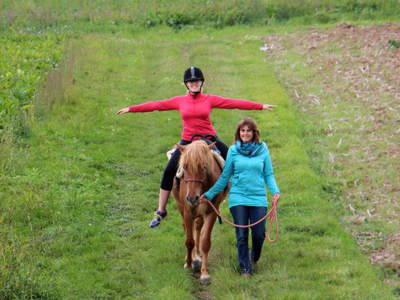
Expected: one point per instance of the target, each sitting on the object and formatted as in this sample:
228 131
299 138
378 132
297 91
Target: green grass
27 28
78 192
119 14
77 203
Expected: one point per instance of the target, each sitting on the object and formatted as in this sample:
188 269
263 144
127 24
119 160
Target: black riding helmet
193 74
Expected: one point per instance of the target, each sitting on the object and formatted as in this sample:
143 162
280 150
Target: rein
271 214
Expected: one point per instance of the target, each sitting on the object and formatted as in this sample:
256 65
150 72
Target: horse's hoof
205 279
197 264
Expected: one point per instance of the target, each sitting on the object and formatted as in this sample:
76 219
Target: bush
27 59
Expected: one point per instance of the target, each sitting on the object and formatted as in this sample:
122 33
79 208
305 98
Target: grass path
88 186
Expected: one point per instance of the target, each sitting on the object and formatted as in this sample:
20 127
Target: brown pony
201 171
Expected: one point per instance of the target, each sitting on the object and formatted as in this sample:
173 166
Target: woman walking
195 109
249 165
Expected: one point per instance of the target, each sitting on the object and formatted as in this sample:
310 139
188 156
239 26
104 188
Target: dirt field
348 79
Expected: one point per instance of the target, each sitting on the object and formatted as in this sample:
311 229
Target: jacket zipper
248 178
194 116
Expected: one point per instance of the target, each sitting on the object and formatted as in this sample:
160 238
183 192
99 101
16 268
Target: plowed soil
348 79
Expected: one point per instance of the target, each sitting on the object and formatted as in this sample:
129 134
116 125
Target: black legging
172 167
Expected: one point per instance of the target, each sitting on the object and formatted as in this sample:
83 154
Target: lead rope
271 214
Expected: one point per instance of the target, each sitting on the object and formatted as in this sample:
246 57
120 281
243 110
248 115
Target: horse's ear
181 148
211 145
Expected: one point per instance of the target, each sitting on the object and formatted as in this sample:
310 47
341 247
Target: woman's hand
267 106
203 199
123 111
276 198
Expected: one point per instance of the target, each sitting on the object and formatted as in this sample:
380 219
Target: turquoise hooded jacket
249 176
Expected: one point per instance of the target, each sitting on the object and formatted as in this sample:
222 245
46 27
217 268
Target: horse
200 172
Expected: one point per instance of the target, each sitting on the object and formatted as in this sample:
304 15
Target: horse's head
196 160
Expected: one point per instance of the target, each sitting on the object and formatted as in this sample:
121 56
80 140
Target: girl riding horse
195 109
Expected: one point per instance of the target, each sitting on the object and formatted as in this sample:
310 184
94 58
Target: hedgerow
179 13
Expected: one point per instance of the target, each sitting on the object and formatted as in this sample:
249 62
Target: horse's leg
182 212
189 242
197 239
206 245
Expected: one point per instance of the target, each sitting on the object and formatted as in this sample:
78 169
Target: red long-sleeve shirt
195 112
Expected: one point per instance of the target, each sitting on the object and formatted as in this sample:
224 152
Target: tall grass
178 13
53 91
16 246
7 147
23 99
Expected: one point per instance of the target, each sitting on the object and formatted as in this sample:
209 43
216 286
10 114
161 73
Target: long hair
252 125
196 157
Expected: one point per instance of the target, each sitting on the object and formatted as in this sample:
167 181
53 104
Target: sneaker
158 217
246 275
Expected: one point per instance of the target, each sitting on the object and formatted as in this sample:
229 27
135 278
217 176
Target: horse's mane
196 157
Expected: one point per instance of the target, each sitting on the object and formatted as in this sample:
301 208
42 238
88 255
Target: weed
26 59
58 81
393 44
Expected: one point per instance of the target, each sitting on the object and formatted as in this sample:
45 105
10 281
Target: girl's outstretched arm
123 111
228 103
161 105
269 107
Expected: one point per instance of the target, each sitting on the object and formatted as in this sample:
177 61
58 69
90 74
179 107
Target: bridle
194 179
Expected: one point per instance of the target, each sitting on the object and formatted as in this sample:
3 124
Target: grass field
78 193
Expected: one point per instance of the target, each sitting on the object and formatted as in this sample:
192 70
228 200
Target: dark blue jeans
245 215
